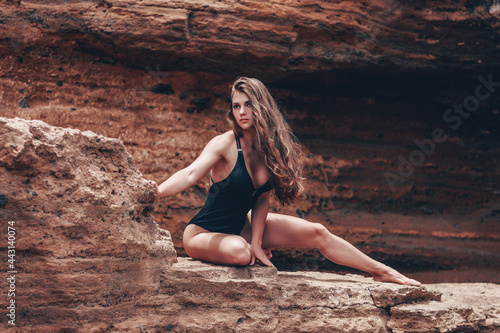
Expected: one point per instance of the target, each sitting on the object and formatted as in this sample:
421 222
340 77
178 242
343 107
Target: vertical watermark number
11 273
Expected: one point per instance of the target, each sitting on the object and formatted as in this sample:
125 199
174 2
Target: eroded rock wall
359 81
80 214
271 39
90 258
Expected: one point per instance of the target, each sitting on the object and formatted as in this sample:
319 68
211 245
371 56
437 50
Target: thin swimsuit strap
238 145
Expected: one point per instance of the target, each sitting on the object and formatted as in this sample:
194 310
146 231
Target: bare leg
288 231
216 247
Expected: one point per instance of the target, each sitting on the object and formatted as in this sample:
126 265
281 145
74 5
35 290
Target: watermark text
11 272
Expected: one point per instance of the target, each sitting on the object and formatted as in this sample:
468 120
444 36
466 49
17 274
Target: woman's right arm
182 179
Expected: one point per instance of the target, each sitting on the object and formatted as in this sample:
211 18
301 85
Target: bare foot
391 275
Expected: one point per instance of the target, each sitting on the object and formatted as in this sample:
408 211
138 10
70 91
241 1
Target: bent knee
237 252
321 234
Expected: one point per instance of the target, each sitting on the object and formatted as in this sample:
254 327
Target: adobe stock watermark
11 277
453 116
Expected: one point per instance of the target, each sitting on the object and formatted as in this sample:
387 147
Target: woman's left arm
259 217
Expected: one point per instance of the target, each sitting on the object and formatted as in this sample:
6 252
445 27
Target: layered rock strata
360 83
441 218
79 215
261 299
90 258
272 38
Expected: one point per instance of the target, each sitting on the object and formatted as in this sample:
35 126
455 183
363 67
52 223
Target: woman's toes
413 282
395 276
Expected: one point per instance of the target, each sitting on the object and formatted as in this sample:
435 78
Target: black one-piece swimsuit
230 200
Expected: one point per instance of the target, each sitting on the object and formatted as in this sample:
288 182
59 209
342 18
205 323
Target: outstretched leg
288 231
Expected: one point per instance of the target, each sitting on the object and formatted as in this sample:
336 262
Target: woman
260 156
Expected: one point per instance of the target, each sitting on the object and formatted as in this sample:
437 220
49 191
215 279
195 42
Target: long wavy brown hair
275 143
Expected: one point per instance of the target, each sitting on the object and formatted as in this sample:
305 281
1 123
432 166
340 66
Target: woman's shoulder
222 141
226 138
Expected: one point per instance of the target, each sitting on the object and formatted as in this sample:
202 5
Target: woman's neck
248 134
249 137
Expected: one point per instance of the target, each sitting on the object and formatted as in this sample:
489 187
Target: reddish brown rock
360 82
468 307
80 213
200 297
271 39
90 258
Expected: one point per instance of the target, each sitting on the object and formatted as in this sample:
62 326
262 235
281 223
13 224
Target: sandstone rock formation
273 38
261 300
359 81
81 222
90 258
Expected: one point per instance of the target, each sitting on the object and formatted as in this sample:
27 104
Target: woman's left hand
262 255
152 182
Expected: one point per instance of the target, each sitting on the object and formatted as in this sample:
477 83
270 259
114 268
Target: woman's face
242 110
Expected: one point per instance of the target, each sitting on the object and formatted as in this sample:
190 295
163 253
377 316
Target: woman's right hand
263 255
157 189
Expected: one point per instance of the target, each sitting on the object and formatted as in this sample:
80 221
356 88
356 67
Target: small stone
59 83
426 210
147 210
162 88
3 200
35 194
295 61
201 101
23 103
